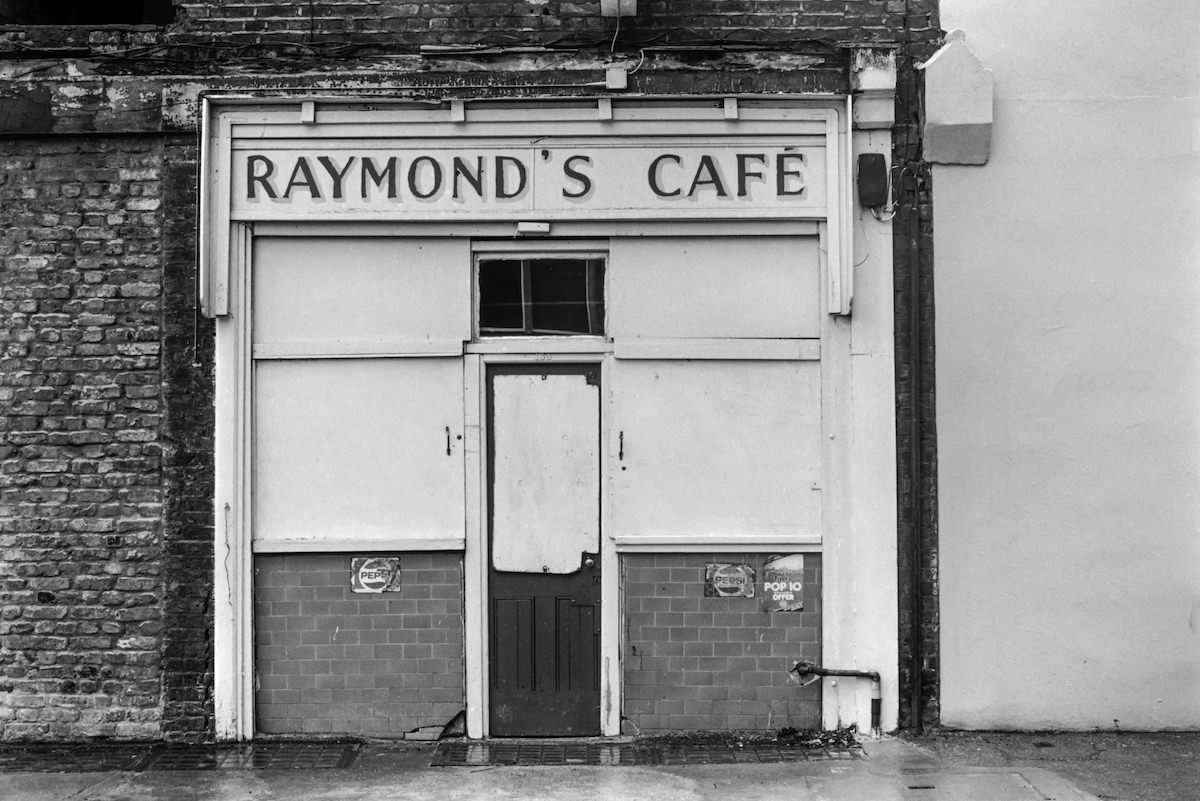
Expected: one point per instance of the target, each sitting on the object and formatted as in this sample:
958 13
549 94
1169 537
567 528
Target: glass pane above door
547 296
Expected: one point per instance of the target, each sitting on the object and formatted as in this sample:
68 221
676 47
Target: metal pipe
804 668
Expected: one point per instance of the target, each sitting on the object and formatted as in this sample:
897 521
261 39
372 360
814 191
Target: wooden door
544 535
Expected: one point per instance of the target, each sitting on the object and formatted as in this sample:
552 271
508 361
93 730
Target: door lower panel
545 639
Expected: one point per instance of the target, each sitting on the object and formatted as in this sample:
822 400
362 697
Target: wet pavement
1121 766
944 767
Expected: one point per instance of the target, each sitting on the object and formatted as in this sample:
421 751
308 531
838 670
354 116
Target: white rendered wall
1068 372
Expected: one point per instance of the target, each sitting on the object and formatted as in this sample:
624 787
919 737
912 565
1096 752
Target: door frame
552 350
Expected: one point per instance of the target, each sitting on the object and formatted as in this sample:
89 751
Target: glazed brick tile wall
697 663
329 660
81 498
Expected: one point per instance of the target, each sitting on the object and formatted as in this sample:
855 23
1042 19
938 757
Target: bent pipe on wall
813 671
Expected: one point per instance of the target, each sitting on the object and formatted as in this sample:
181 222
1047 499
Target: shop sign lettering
783 583
439 182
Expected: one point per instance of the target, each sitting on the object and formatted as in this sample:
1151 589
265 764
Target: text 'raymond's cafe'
456 179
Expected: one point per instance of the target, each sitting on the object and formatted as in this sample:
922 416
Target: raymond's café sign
746 178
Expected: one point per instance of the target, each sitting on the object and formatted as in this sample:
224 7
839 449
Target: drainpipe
812 672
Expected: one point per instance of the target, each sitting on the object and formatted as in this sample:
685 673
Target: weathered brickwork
81 451
393 25
694 662
329 660
221 34
916 431
187 434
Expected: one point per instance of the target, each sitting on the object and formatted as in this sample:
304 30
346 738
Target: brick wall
693 662
187 437
81 499
916 432
332 661
398 25
222 33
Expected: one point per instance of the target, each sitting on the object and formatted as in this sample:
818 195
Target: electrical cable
893 206
866 241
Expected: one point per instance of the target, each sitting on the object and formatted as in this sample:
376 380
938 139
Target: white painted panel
760 286
356 290
701 348
356 449
1067 421
715 448
546 487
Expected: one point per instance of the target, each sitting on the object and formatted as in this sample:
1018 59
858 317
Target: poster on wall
783 583
374 574
728 580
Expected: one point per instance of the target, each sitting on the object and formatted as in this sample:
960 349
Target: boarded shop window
716 446
541 296
361 294
358 449
86 12
721 286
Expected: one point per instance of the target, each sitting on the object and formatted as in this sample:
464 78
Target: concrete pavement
894 770
1126 766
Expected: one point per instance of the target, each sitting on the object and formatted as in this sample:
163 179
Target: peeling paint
874 58
69 90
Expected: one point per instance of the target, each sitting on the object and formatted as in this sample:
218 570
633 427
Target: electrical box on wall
872 180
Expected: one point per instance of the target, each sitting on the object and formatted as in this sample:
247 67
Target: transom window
541 295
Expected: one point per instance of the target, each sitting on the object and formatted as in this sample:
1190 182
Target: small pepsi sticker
375 574
728 580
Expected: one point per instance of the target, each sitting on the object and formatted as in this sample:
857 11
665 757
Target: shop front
557 413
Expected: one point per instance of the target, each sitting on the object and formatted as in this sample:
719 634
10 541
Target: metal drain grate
729 755
244 756
74 758
458 754
464 754
253 756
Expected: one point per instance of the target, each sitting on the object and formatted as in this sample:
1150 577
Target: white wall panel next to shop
1068 373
